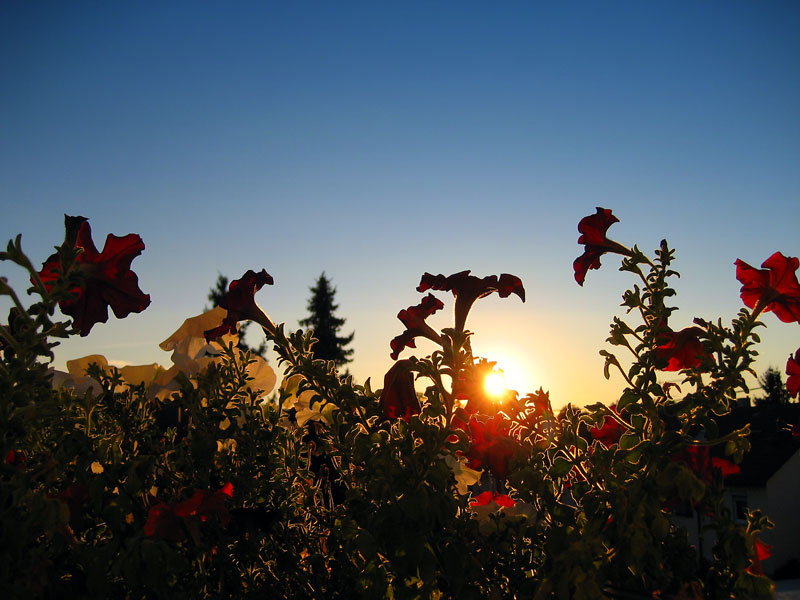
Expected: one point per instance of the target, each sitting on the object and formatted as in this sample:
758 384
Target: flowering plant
202 480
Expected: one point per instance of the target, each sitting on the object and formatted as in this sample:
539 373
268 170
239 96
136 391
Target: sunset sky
379 140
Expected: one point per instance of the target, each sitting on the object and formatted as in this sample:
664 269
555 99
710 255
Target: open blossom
413 318
774 287
491 444
793 371
682 350
107 278
241 305
468 288
398 397
700 461
763 552
308 405
610 431
593 236
464 476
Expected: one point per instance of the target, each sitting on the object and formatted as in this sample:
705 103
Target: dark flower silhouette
171 522
593 236
241 305
682 350
17 459
398 398
793 371
106 278
467 289
702 464
413 318
774 287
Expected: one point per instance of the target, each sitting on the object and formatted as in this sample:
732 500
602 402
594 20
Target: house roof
771 438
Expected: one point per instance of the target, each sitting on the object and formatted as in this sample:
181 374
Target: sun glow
495 384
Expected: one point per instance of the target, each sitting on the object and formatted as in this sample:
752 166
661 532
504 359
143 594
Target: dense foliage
194 481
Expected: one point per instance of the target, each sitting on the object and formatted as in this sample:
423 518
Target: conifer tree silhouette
326 326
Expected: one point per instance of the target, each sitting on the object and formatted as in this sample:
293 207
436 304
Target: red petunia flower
172 522
241 305
491 444
683 349
610 431
793 371
164 523
398 398
700 461
107 279
486 498
593 236
16 458
413 318
467 289
763 552
774 287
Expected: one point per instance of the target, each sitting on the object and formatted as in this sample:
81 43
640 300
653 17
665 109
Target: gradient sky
379 140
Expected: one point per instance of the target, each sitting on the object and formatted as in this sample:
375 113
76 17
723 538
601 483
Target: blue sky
376 141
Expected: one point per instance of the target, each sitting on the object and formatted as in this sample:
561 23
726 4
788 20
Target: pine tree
326 326
775 391
215 295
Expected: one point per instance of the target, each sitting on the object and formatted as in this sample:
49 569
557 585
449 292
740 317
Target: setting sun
495 384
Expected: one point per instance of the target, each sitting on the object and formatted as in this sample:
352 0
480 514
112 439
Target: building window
740 507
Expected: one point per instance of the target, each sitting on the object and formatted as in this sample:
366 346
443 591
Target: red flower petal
107 279
241 305
774 287
413 318
610 431
398 397
793 371
683 349
467 289
593 236
492 444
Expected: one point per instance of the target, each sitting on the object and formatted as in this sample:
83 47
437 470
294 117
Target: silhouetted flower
16 458
593 236
793 371
467 289
413 318
774 287
398 397
241 305
106 278
682 350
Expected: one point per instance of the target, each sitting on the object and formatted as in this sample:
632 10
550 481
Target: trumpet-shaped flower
106 278
241 305
682 350
465 477
593 236
398 397
793 371
413 318
774 287
467 289
307 404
